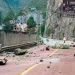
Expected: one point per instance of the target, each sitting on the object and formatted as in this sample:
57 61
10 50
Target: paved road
56 62
63 63
16 65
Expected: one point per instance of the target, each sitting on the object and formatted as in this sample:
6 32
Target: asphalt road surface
55 62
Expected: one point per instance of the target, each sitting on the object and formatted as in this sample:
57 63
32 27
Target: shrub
31 23
10 16
8 28
42 29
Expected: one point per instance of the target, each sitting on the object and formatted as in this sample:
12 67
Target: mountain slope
20 4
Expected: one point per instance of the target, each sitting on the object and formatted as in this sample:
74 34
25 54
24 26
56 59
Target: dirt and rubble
16 64
61 62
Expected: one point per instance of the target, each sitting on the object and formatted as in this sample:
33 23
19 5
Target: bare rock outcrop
61 25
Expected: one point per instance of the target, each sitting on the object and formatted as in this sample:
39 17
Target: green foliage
40 4
8 28
10 16
20 13
31 23
44 15
42 29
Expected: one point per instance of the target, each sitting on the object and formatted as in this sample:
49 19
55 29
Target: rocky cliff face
62 25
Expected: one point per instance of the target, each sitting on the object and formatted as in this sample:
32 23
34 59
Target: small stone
74 55
27 56
50 56
48 67
41 60
13 55
50 62
47 48
59 72
34 53
31 53
42 50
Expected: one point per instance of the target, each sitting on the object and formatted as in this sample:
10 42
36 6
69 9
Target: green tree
8 28
31 23
20 13
10 16
42 29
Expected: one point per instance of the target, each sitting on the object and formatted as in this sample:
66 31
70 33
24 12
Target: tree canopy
31 23
10 16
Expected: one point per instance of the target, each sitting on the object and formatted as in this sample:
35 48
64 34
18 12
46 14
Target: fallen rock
42 50
31 53
20 51
60 72
48 67
74 55
3 61
50 62
41 60
73 45
27 56
47 48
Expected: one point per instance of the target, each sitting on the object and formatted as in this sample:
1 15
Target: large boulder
19 51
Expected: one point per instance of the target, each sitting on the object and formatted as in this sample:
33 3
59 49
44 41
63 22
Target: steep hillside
21 4
40 4
3 7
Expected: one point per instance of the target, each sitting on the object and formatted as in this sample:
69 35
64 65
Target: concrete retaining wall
8 39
